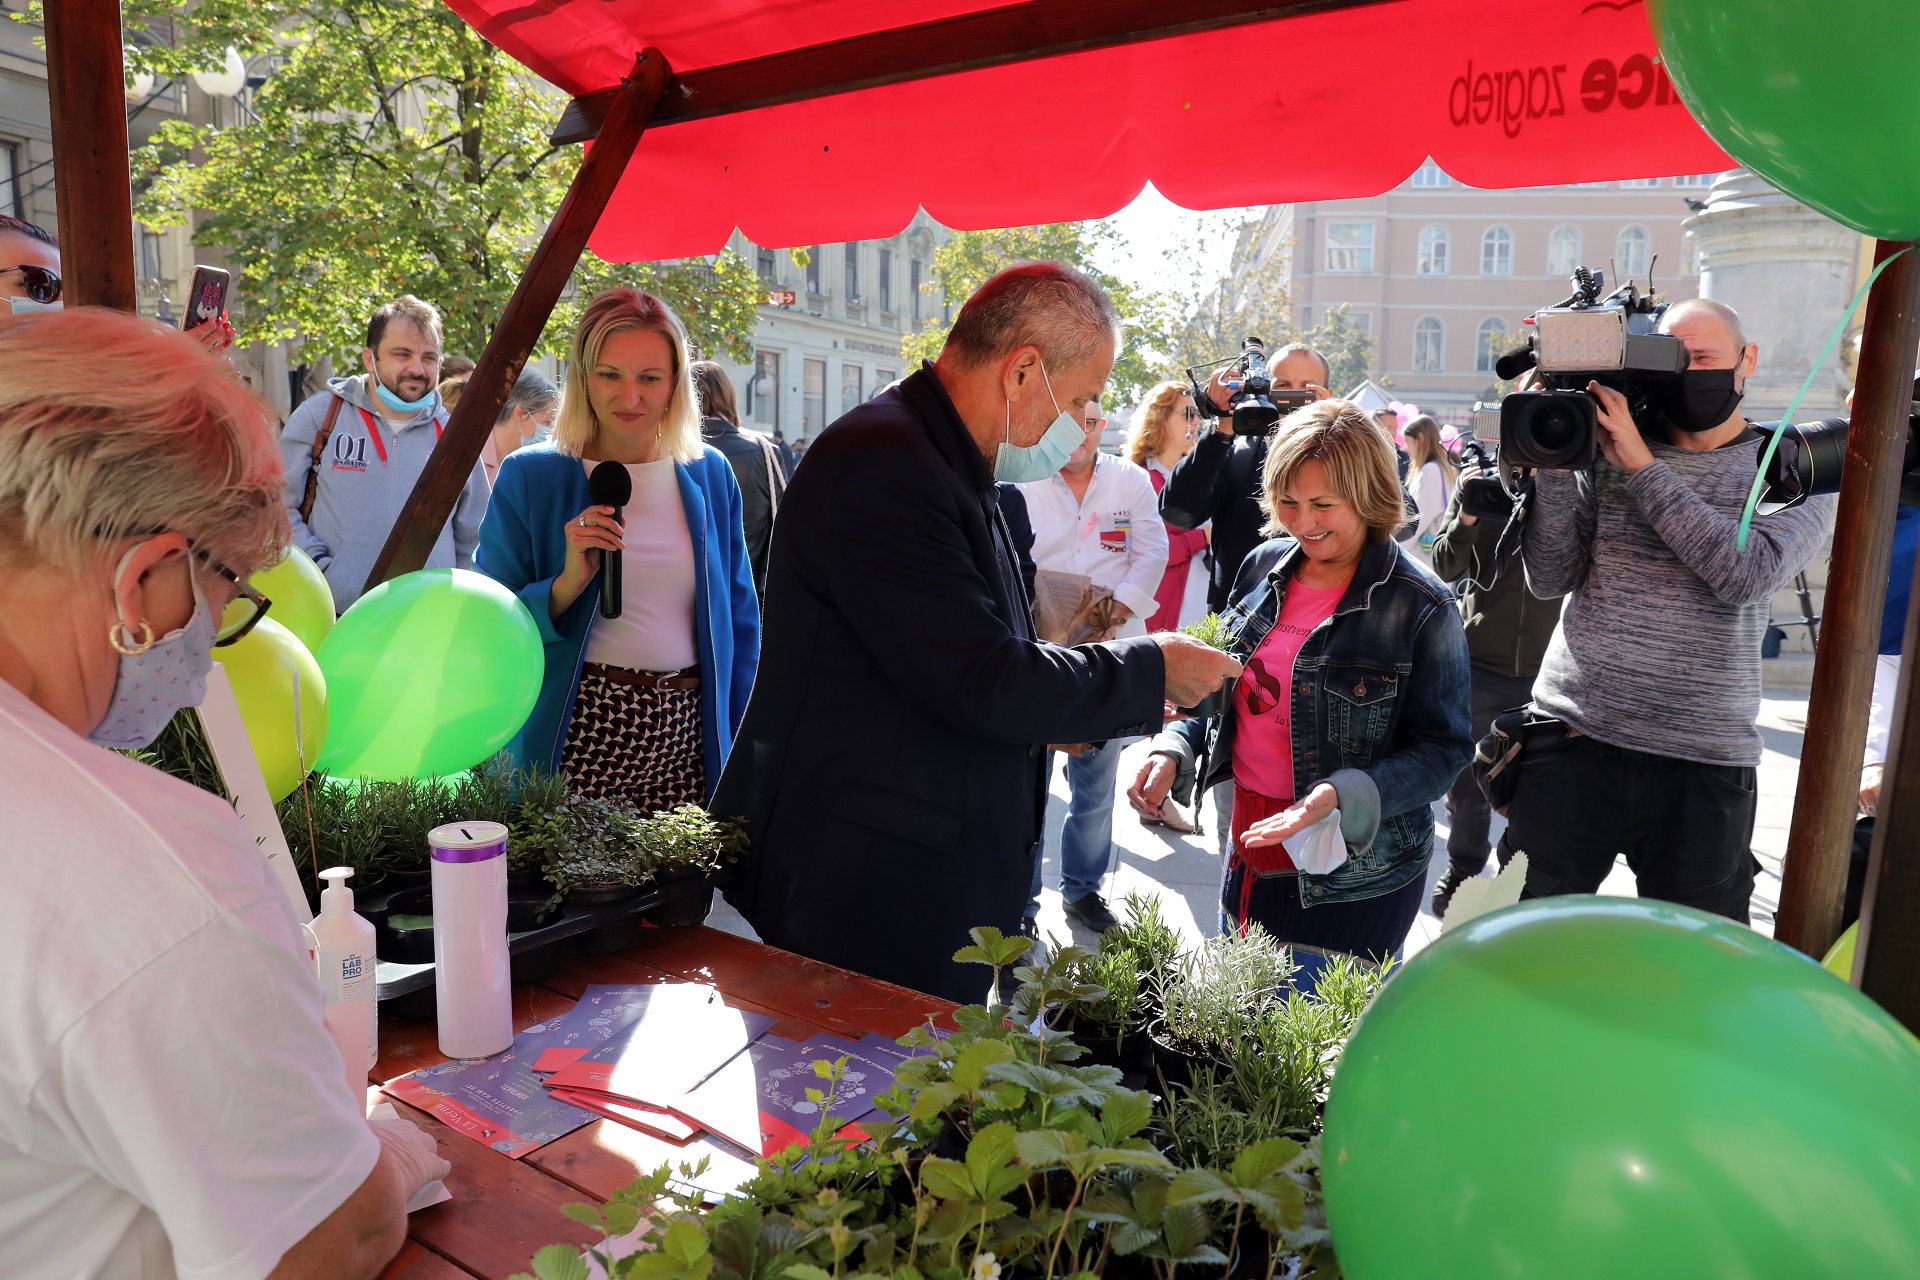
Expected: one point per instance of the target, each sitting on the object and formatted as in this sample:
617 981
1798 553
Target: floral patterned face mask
156 677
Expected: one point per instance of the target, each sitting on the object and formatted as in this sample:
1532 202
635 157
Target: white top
654 631
1431 495
1115 536
170 1101
1886 682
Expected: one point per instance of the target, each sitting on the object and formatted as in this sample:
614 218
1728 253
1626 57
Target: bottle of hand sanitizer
344 955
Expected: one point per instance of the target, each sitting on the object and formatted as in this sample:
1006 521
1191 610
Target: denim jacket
1380 710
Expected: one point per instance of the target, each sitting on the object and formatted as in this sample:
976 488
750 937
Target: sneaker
1092 911
1450 880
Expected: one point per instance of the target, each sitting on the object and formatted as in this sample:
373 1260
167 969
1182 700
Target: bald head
1706 310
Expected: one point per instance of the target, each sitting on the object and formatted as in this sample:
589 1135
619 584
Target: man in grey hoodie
352 456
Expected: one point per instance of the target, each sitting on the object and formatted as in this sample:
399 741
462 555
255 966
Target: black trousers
1469 816
1685 828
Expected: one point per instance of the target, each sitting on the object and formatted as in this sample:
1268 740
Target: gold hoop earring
123 640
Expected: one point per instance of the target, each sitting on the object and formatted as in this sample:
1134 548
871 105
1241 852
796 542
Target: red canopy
1332 104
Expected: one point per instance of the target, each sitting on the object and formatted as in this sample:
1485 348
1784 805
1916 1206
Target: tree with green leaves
389 150
967 261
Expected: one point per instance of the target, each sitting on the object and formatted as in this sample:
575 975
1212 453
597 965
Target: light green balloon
302 600
1815 96
428 674
1591 1088
1839 958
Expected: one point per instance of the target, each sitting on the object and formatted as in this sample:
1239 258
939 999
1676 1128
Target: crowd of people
870 659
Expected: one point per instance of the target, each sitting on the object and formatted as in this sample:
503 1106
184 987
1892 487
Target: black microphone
1513 363
609 485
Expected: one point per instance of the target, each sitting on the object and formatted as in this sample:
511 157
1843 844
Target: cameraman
1508 628
1220 479
1654 670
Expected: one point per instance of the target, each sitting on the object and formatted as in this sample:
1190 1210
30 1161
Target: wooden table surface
503 1209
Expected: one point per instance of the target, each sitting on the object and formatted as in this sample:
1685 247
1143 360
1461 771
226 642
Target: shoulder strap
776 486
313 458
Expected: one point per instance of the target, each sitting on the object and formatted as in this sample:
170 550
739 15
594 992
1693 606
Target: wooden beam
438 488
87 95
1826 802
1886 964
969 42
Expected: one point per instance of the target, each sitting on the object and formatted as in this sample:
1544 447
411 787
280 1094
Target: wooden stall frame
93 187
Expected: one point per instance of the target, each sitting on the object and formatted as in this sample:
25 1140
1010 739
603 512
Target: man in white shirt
1098 517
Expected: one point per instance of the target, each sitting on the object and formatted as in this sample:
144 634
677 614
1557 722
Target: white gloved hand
412 1150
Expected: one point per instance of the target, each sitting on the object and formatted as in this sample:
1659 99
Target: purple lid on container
468 841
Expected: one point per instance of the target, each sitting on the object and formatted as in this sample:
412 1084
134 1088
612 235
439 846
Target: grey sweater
360 494
1658 648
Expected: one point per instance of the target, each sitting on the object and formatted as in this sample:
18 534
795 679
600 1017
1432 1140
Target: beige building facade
1443 275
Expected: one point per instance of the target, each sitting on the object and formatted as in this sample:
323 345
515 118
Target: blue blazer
523 545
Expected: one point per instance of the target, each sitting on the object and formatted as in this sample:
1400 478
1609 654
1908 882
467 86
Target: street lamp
225 80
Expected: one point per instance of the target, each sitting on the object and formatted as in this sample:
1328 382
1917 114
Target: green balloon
1589 1088
1817 98
428 674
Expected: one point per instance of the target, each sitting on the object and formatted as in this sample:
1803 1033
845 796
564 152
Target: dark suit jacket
890 766
1013 509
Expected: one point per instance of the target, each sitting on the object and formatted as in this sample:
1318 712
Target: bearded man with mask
351 456
1653 674
890 768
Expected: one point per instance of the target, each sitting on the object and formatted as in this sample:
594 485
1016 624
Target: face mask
395 403
1700 400
151 685
23 306
1037 461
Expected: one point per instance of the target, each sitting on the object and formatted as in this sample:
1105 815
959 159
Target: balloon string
1786 419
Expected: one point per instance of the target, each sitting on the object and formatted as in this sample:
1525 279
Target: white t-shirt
654 631
170 1101
1114 535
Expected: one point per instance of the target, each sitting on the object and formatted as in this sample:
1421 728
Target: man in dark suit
890 768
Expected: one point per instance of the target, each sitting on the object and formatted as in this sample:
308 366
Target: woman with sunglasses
170 1100
1163 432
30 280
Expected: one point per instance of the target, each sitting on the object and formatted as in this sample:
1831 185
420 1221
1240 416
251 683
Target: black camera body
1613 340
1256 407
1483 497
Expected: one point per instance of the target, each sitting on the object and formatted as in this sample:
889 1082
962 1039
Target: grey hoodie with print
366 474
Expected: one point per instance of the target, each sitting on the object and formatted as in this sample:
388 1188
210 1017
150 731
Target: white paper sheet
1319 848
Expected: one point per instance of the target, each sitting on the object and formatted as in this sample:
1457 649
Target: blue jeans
1086 839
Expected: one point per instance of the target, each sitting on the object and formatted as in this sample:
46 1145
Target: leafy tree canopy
390 150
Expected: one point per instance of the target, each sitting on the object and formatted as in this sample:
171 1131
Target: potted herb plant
1210 630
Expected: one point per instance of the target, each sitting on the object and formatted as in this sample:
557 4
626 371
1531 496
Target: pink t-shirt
1263 730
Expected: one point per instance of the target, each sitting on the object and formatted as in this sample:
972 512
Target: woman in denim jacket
1354 697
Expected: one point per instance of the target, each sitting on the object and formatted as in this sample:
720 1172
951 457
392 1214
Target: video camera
1812 454
1612 340
1485 496
1256 407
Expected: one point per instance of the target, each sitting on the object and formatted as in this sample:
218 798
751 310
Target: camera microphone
609 485
1513 363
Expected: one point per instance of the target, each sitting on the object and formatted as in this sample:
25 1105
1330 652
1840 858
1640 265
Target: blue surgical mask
150 686
23 306
398 405
1021 463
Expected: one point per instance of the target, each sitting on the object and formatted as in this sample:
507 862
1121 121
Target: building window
884 378
766 389
1639 184
1433 252
1496 252
1349 246
1563 250
1630 252
886 280
1695 180
851 250
813 397
764 264
813 270
1492 340
1430 175
10 202
914 269
1588 186
850 379
1357 321
1429 345
149 247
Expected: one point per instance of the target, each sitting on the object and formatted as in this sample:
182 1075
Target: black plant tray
396 980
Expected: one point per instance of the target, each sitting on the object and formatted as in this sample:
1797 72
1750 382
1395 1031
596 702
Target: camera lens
1556 430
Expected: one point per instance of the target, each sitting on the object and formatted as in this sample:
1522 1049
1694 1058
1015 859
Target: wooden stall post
452 460
1825 804
87 92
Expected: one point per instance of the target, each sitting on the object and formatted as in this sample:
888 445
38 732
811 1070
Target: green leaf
1260 1159
934 1099
970 1068
807 1271
685 1241
1044 1148
559 1262
622 1217
989 1153
1124 1114
947 1179
1201 1186
586 1215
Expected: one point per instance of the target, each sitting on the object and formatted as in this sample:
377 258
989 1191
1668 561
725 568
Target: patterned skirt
635 743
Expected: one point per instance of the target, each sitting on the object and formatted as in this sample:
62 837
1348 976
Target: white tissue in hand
1319 848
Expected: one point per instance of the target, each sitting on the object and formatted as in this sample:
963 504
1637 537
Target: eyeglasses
1192 414
42 286
1094 424
234 632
